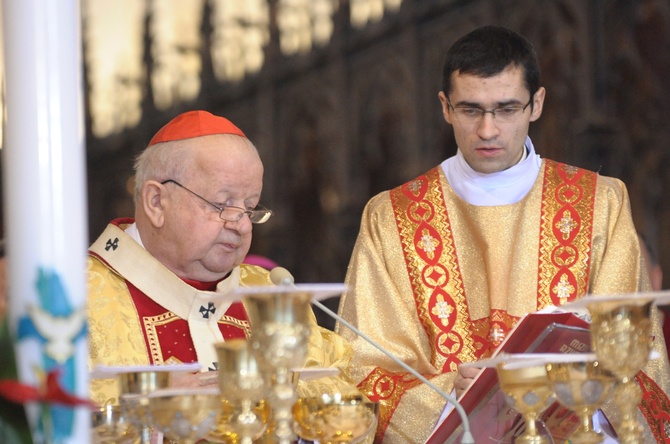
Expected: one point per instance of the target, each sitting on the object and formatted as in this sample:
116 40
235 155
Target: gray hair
161 162
167 160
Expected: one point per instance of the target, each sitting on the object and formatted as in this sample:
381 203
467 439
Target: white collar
125 254
501 188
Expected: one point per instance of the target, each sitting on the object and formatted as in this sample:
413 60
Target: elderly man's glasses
230 213
502 114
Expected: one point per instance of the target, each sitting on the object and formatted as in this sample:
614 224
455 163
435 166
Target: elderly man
446 265
157 283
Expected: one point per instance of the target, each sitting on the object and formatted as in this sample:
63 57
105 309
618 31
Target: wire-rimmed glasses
231 213
501 114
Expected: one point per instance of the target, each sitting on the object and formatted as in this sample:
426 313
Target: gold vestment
438 281
118 336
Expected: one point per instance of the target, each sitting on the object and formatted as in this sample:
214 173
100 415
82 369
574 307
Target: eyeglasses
473 114
229 213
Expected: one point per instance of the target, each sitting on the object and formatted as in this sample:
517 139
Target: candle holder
244 410
335 419
582 384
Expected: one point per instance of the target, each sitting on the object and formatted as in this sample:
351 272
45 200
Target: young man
158 282
446 264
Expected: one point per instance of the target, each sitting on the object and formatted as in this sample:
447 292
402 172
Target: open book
491 419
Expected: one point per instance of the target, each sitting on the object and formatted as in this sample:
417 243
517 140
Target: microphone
282 277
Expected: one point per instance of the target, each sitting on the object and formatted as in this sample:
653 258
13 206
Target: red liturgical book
491 419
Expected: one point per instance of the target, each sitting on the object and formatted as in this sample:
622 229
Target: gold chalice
335 419
581 384
279 318
109 426
185 415
621 339
135 385
526 388
244 411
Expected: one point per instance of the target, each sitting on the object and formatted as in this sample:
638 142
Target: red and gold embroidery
655 407
428 245
386 389
568 197
151 326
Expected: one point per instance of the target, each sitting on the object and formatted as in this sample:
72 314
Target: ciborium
243 387
335 419
523 380
582 384
621 339
184 415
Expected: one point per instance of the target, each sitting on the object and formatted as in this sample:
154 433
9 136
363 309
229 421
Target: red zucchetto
194 124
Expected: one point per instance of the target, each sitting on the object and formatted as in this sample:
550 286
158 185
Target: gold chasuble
141 313
457 277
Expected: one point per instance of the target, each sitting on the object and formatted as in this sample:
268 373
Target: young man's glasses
231 213
502 114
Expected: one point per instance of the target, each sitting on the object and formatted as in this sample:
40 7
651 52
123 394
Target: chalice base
532 433
532 439
587 437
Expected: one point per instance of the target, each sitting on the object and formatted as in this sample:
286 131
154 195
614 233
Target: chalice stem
532 435
283 398
627 397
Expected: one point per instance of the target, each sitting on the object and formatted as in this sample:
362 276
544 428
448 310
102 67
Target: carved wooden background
342 123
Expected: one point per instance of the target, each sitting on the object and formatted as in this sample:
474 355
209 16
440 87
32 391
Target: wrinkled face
488 144
226 171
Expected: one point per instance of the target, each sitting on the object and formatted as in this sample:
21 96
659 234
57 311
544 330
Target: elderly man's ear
153 198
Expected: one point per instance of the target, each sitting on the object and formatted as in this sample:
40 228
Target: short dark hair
489 50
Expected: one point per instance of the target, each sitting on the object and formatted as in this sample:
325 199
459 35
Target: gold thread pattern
566 225
430 255
386 388
655 407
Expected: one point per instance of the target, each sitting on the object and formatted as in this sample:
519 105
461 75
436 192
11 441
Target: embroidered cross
566 224
206 311
496 335
113 244
415 186
563 288
215 366
428 243
443 310
570 170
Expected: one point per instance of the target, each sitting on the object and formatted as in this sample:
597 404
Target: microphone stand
281 276
467 435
